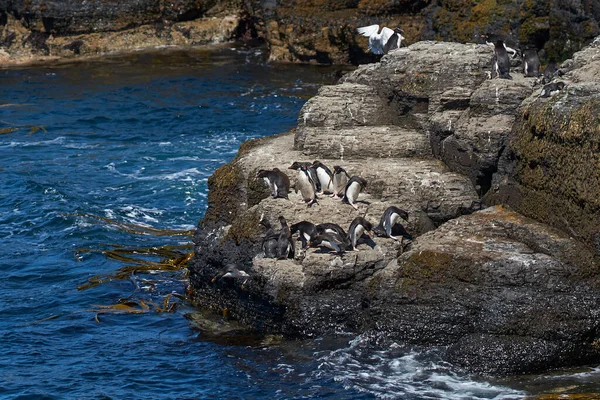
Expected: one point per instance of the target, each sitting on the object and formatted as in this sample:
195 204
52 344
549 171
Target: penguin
551 89
305 183
278 182
352 190
339 180
490 40
531 63
549 72
394 41
306 232
329 240
377 40
357 228
324 176
269 243
285 246
331 228
231 272
388 220
500 61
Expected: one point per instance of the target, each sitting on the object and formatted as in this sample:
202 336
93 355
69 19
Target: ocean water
103 170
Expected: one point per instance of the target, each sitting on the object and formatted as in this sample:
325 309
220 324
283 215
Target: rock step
365 141
409 183
315 269
344 105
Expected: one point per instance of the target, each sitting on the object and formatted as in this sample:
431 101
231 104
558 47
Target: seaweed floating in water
172 261
129 306
135 228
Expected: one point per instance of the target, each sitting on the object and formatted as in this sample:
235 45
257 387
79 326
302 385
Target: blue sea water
107 156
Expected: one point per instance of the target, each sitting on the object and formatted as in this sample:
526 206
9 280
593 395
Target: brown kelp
172 260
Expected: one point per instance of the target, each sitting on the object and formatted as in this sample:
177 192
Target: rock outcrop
549 170
501 292
38 31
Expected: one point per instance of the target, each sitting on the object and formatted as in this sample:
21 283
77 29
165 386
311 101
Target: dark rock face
76 16
506 293
35 30
325 31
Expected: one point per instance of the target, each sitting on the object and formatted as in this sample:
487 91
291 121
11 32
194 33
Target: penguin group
316 179
384 41
531 66
329 236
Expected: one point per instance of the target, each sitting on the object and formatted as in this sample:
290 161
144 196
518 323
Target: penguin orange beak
370 233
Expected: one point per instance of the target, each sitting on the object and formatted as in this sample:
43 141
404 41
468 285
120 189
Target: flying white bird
378 41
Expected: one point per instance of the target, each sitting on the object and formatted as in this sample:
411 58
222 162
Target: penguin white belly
352 192
390 223
306 188
324 179
331 245
358 232
268 182
306 236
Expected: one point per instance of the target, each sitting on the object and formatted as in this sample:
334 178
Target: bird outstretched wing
369 30
386 34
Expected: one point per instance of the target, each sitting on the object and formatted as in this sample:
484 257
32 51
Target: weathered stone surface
365 142
444 87
549 169
495 275
478 136
343 105
415 184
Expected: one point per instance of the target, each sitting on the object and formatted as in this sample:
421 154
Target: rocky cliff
502 289
324 31
37 30
316 31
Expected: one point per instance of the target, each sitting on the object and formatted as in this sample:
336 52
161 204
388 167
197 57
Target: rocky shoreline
312 31
502 271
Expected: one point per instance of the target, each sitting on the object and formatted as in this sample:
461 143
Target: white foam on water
58 140
389 374
185 175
